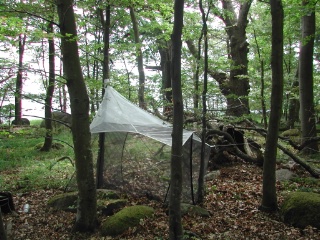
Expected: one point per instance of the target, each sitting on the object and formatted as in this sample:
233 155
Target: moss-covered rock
193 210
301 209
107 194
106 201
109 207
64 201
290 132
124 219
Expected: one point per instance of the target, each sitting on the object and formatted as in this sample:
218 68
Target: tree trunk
237 99
294 105
263 104
3 234
175 225
308 122
165 55
269 194
235 87
106 77
49 94
86 219
19 81
139 57
201 187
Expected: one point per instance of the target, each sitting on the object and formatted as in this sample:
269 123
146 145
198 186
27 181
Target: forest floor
232 200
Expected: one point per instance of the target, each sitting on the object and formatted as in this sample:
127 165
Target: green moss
64 201
301 209
124 219
107 194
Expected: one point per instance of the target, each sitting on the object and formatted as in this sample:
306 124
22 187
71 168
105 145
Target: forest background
227 41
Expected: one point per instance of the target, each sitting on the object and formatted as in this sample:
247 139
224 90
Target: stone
59 119
107 194
284 175
291 132
301 209
212 175
106 201
64 201
109 207
124 219
24 122
193 210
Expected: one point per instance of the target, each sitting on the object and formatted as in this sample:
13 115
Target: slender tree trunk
139 55
263 104
86 219
106 77
201 191
165 54
269 194
175 225
294 104
49 94
19 81
308 122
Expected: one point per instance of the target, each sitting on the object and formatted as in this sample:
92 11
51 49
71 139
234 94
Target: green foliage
26 167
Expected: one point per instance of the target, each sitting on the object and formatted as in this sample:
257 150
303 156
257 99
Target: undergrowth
24 167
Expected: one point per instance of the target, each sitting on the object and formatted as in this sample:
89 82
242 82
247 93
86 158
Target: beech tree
50 89
269 194
86 219
175 226
308 123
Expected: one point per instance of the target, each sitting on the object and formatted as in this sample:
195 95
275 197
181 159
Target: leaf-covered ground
232 200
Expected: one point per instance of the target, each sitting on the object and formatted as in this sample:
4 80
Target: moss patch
124 219
301 209
64 201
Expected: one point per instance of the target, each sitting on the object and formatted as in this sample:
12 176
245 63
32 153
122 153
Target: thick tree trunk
49 94
237 99
269 194
175 225
19 81
235 87
139 57
86 219
308 122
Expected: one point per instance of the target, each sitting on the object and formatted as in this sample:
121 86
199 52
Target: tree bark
165 55
308 123
139 57
19 81
86 219
201 187
294 105
49 94
269 194
237 96
106 77
175 225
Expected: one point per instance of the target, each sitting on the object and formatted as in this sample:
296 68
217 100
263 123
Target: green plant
23 166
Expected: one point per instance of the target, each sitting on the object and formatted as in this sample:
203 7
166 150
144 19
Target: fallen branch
233 145
314 172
